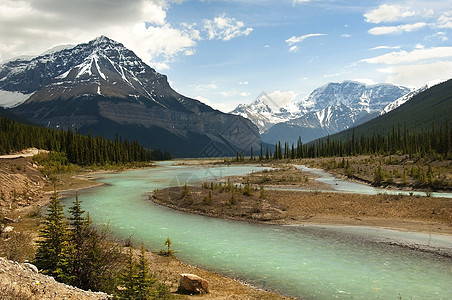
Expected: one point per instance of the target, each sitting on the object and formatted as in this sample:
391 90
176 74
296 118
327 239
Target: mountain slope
104 88
432 106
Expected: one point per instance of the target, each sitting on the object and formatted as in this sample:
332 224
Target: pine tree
54 253
100 260
128 278
144 280
79 231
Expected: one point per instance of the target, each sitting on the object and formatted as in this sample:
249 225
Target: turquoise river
307 262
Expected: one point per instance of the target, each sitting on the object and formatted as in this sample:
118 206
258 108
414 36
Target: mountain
408 96
332 108
263 114
104 88
432 106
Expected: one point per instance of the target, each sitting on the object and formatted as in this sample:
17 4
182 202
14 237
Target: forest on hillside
78 149
435 142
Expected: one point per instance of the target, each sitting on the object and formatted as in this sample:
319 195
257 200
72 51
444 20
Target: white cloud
157 45
396 29
442 36
345 35
367 81
294 49
416 67
206 87
388 13
221 106
292 41
419 46
400 57
203 100
298 39
278 99
224 28
243 82
385 47
418 75
445 20
301 1
30 27
245 94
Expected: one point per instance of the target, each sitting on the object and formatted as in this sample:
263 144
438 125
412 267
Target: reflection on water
309 262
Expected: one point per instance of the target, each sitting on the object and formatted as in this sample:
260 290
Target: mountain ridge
430 106
330 108
103 88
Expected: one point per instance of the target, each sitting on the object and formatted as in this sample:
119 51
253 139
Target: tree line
436 142
74 252
79 149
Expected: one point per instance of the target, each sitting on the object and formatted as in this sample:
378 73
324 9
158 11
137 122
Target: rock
8 229
192 284
31 267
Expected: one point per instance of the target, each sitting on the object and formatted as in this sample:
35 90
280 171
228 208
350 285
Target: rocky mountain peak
104 88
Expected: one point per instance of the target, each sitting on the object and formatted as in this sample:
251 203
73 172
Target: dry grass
393 211
225 204
399 171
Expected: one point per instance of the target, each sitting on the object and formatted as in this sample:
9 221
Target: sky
228 52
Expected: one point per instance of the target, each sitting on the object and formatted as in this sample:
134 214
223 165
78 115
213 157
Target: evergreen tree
101 260
144 280
128 278
136 280
261 153
79 231
54 253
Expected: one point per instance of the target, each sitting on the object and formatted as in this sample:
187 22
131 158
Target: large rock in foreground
192 284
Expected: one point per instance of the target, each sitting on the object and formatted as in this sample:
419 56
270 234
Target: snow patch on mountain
393 105
10 99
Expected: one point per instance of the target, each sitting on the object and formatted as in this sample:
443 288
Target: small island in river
253 198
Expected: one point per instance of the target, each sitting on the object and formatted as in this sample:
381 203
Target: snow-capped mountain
264 113
104 88
101 64
328 109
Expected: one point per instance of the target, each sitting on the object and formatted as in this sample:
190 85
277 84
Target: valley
260 253
309 199
266 205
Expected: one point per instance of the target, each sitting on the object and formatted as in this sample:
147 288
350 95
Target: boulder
192 284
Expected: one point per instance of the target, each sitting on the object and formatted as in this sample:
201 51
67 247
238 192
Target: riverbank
24 207
408 213
289 207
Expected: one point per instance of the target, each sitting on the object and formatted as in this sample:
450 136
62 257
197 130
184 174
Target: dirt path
24 153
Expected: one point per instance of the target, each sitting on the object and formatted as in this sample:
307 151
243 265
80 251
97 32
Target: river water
309 262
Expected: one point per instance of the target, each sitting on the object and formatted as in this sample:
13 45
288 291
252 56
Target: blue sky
228 52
